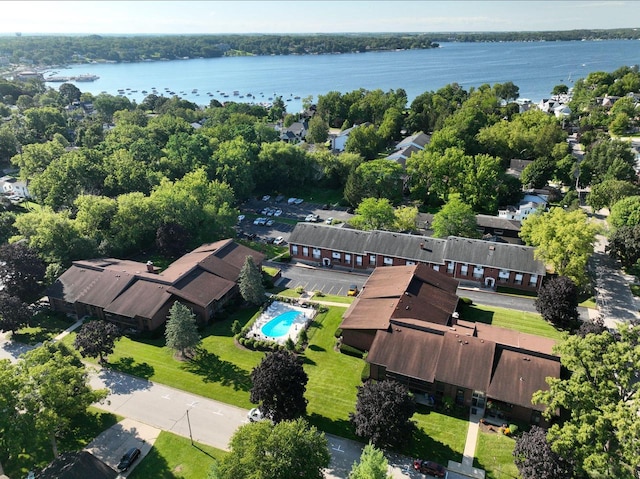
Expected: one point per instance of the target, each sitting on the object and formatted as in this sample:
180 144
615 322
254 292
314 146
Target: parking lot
329 281
254 207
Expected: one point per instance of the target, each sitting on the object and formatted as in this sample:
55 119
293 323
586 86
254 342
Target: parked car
279 198
292 201
278 241
312 218
255 415
240 218
265 211
256 221
266 198
129 458
429 467
329 220
269 223
277 212
298 201
353 290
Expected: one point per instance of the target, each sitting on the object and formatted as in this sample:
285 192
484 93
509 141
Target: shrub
351 351
513 429
289 344
319 294
366 372
236 327
467 301
299 290
338 333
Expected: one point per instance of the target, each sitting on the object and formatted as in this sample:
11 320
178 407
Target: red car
429 467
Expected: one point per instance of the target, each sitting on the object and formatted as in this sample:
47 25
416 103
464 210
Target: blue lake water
536 67
280 325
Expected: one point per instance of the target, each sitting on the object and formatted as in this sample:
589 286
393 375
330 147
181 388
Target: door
478 399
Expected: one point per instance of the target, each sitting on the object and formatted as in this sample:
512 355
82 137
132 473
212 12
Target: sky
306 16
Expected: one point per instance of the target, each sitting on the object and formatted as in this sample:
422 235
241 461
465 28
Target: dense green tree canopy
375 179
625 212
456 218
563 239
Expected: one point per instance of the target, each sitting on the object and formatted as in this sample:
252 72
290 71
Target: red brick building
486 263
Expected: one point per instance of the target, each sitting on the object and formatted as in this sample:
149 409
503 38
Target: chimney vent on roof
150 266
421 245
466 342
407 307
521 379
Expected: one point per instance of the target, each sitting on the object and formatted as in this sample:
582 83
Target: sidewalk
466 467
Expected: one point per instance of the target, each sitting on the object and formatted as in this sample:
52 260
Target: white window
410 263
372 259
305 251
347 258
294 249
450 266
316 253
359 260
533 280
503 275
436 267
336 255
518 278
388 261
464 269
478 271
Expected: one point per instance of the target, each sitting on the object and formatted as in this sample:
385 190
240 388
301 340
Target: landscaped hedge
351 351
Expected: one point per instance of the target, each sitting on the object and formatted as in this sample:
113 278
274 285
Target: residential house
517 166
408 147
295 133
405 317
339 142
530 204
492 228
479 262
10 185
136 295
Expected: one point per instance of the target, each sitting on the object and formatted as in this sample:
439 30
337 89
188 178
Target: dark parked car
429 467
128 459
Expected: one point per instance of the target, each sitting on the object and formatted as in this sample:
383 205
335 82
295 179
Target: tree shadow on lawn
306 360
213 369
128 365
337 427
315 347
426 447
471 313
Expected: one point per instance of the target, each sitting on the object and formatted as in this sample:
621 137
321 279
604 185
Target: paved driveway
329 281
113 443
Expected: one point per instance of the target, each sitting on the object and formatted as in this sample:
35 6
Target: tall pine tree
251 287
181 332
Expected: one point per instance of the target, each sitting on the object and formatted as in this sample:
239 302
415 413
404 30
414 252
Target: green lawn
494 455
42 327
173 456
531 323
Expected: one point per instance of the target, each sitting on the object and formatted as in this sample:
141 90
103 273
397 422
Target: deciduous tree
14 314
97 338
54 389
535 459
624 245
563 239
318 130
625 212
250 282
279 384
372 465
375 179
288 449
600 396
181 331
383 413
456 218
374 214
557 302
21 271
609 192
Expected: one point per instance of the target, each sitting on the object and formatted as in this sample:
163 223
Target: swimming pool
280 321
280 325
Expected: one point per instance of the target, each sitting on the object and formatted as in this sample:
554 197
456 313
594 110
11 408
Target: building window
372 259
533 280
388 261
450 266
478 271
410 263
359 260
336 256
294 249
347 258
316 253
464 269
305 251
503 275
436 267
518 278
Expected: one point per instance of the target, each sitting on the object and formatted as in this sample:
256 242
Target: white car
328 220
298 201
292 201
255 415
277 212
266 197
257 221
240 218
278 241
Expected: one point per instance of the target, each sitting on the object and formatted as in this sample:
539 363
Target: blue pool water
279 326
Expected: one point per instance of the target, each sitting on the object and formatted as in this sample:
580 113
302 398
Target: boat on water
86 77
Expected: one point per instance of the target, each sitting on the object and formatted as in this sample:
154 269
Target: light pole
189 423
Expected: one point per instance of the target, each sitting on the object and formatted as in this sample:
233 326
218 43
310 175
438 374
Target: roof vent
521 379
492 248
466 342
482 340
407 307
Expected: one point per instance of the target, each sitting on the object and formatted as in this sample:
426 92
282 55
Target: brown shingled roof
369 313
518 375
201 287
143 299
97 288
407 352
465 361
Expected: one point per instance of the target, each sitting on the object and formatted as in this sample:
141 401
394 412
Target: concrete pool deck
273 311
